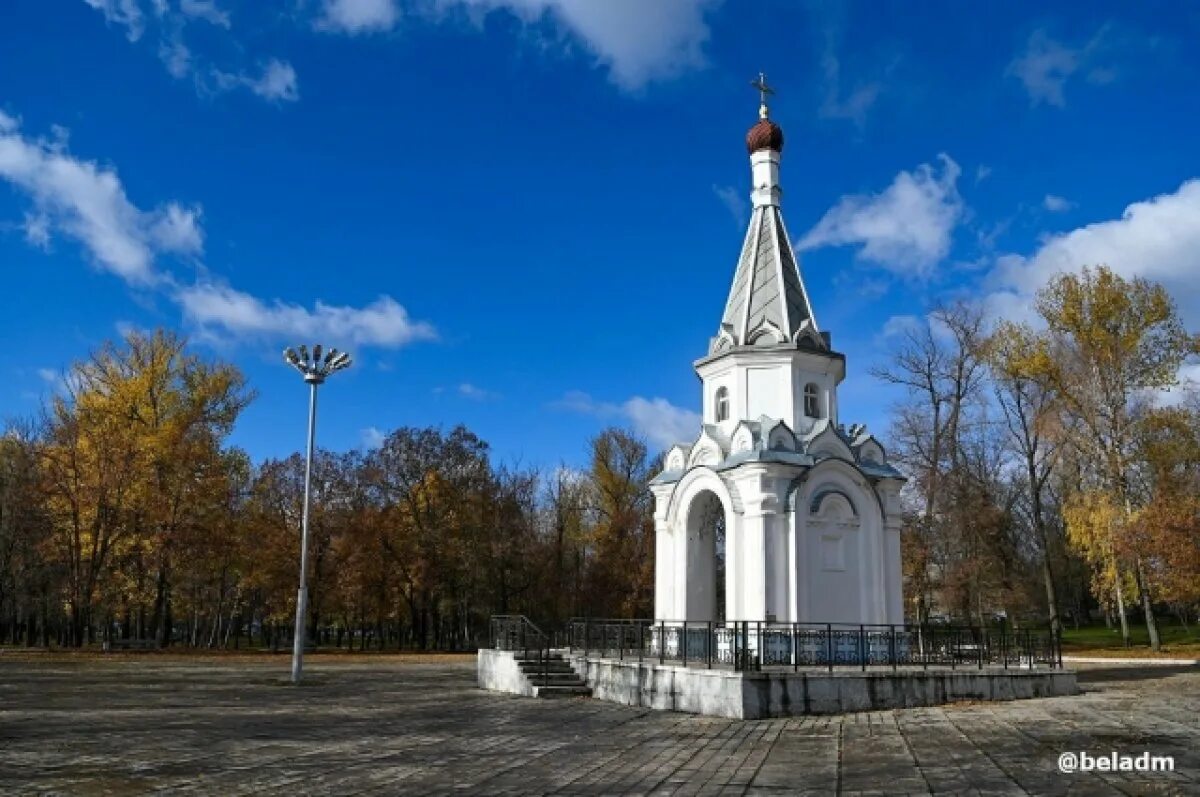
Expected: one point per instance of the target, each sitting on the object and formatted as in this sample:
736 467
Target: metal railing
755 645
517 633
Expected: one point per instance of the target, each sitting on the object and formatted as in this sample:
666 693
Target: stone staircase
552 678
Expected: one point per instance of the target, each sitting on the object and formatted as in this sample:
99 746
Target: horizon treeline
1049 480
124 513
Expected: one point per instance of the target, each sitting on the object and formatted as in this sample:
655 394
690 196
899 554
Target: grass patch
1101 641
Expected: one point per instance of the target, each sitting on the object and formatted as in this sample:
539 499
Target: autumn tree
129 450
1113 340
1017 357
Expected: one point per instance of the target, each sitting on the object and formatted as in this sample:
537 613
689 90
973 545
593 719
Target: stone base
757 695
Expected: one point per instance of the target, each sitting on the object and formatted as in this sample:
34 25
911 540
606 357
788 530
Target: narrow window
812 406
722 404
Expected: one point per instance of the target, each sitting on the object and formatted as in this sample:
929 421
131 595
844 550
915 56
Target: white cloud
658 420
371 437
838 103
661 421
277 82
218 310
121 12
638 41
734 201
87 202
358 16
982 172
1157 238
467 390
905 229
206 10
899 325
48 375
1056 204
1046 65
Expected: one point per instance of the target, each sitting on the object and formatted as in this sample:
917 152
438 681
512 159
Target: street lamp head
316 368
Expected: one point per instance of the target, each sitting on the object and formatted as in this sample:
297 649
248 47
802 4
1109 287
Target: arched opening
722 404
705 558
812 401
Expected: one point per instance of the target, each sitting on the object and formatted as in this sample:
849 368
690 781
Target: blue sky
524 215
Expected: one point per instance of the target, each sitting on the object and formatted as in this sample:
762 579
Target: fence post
662 641
983 642
708 643
758 645
1004 647
683 642
862 646
892 646
586 646
829 645
641 641
795 650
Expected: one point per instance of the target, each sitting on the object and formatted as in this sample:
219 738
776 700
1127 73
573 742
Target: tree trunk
1147 607
1121 612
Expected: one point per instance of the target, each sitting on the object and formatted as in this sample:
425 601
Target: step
527 668
553 691
554 678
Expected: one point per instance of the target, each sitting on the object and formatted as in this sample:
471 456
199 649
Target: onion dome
764 135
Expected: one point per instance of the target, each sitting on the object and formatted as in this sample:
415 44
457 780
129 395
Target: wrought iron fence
517 633
755 645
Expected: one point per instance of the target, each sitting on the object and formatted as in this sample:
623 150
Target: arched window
812 404
722 404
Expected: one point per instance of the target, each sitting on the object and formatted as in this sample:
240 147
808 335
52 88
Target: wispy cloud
475 393
275 80
637 42
905 229
80 200
658 420
86 202
1056 204
358 16
1046 65
371 438
122 13
734 201
851 103
219 310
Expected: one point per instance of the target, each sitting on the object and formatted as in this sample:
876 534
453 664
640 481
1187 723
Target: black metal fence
755 645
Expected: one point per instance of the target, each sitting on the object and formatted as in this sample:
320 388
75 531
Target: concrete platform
759 695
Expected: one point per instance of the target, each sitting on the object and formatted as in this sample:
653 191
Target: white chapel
777 511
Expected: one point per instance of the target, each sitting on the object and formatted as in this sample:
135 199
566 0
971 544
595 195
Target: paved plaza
136 724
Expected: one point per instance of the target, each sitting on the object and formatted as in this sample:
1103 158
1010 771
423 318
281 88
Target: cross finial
763 91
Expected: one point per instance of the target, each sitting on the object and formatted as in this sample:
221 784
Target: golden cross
763 88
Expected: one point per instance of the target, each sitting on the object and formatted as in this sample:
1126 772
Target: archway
705 579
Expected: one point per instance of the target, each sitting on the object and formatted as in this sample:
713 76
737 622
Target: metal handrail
503 628
753 644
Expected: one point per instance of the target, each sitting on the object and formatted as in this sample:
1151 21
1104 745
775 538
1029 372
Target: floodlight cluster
313 366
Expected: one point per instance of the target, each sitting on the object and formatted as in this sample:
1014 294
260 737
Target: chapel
777 511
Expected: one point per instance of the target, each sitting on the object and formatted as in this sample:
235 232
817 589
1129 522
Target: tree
1113 340
128 452
1030 407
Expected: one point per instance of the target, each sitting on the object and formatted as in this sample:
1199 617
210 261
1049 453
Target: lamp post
314 369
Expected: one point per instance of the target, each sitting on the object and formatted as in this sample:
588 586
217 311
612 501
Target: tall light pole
315 369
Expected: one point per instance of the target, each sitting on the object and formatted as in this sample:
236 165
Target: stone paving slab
148 725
